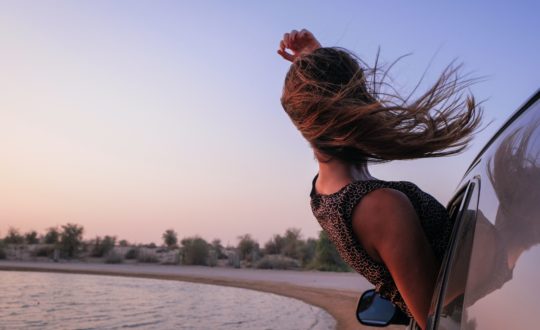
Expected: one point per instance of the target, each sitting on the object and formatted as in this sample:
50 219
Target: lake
72 301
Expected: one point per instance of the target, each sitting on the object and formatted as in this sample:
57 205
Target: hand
300 43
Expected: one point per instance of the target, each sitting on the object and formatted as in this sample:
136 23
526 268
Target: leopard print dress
334 214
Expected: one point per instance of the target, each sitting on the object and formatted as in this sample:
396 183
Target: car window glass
502 285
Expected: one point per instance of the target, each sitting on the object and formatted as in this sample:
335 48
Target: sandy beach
337 293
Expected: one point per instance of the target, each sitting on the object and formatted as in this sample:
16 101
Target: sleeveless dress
334 214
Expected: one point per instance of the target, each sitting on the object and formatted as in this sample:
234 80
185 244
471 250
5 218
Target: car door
489 279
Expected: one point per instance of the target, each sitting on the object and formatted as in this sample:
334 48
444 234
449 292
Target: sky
133 117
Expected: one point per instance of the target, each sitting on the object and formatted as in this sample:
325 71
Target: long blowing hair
351 113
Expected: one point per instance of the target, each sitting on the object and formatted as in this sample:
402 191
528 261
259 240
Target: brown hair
328 98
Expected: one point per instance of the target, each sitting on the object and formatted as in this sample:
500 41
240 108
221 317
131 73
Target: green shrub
44 251
31 237
326 256
147 258
113 258
13 237
218 248
274 245
52 236
170 238
273 261
292 243
102 246
2 251
308 251
195 251
132 254
71 239
247 247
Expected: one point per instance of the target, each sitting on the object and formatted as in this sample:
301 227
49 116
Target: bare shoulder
380 215
384 200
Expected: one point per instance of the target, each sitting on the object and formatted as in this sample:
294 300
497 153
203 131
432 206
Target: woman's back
334 214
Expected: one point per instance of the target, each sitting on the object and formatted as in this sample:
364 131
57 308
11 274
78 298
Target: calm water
69 301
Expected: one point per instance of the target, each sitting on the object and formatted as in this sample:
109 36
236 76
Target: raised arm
300 43
387 226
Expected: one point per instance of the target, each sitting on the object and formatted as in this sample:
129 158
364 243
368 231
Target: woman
391 232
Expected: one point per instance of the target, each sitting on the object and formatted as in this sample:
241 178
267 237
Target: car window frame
463 198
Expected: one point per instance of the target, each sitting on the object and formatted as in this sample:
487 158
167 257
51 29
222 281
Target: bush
44 251
14 237
103 246
2 251
132 254
273 261
147 258
247 247
308 251
52 236
326 256
113 258
31 237
218 249
71 239
274 245
170 238
195 251
292 243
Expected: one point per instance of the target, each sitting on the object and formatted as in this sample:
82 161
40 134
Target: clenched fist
300 43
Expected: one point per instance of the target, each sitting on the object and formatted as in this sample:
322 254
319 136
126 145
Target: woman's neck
335 174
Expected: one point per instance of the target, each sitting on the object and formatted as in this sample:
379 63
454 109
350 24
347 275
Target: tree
309 250
103 246
170 238
292 243
195 251
247 246
31 237
52 236
274 245
71 239
3 253
218 248
326 256
123 243
13 237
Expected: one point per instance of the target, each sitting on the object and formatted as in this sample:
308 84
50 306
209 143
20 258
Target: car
489 278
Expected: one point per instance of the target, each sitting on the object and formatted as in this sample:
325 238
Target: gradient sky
131 117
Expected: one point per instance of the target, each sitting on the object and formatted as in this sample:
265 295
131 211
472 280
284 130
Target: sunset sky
132 117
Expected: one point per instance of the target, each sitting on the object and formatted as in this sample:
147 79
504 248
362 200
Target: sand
337 293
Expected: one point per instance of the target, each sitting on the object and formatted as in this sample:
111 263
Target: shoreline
336 293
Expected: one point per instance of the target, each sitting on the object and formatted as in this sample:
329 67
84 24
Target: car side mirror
376 311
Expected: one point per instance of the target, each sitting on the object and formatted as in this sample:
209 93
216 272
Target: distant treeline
287 251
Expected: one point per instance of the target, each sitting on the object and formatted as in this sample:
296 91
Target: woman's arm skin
388 227
300 43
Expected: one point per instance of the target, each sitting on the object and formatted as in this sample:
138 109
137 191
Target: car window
453 279
502 284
